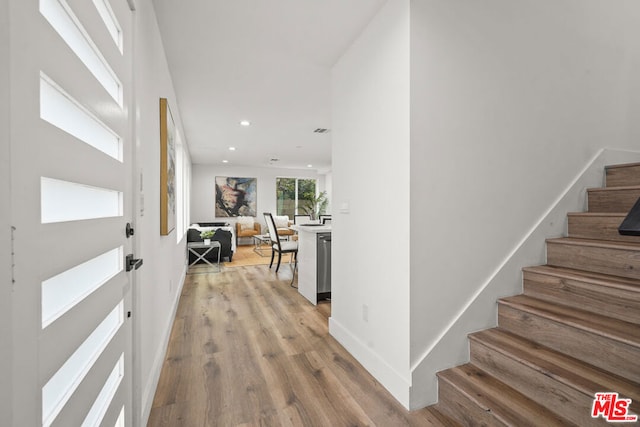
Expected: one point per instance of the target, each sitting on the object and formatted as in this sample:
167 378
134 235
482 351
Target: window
183 190
68 26
110 21
291 194
63 383
65 290
64 112
69 201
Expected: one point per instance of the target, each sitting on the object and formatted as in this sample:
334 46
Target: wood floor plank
246 350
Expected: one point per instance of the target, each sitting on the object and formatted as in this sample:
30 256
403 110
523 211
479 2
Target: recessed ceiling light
309 166
245 123
232 148
225 161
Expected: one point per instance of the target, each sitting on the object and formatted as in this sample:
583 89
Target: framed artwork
167 169
236 196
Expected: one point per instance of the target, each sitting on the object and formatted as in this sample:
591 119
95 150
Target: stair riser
616 303
573 404
598 228
458 406
606 353
613 201
616 262
623 176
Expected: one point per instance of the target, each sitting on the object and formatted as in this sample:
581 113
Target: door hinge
13 256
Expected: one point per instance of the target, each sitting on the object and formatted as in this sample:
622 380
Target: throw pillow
246 222
193 235
282 221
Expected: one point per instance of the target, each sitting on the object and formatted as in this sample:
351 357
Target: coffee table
260 241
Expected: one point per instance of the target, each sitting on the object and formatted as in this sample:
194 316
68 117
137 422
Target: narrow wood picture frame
167 169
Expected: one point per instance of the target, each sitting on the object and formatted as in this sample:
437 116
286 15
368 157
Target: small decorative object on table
206 236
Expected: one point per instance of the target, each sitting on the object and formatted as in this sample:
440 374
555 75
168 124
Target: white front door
5 222
71 174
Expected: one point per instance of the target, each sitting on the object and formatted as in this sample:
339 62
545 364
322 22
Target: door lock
132 263
129 231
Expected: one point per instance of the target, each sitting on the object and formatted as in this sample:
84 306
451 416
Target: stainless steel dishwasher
324 266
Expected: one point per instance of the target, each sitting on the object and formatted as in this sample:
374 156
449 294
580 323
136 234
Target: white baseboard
390 379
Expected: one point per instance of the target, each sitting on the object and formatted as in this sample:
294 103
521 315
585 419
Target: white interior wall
5 224
509 101
203 188
160 279
370 177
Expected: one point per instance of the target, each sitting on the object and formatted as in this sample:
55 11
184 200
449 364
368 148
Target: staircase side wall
452 348
509 102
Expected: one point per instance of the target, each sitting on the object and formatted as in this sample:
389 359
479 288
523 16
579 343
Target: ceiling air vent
321 130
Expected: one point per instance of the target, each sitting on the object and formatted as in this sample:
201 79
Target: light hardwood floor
246 350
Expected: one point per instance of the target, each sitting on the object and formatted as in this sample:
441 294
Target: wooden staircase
574 332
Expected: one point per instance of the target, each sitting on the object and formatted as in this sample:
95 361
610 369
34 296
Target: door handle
132 263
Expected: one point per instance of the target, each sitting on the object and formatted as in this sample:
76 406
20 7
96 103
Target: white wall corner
398 384
451 348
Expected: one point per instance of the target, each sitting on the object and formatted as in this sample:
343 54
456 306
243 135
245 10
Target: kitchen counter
313 228
308 259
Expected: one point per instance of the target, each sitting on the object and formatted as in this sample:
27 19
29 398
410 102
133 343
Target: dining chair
280 246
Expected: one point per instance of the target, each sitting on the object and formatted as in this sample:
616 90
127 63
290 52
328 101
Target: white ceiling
267 61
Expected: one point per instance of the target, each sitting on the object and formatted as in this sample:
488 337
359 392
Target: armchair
245 229
282 224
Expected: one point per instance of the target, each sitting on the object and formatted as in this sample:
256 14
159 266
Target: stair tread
622 165
596 243
599 214
615 329
609 189
605 280
502 401
563 368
